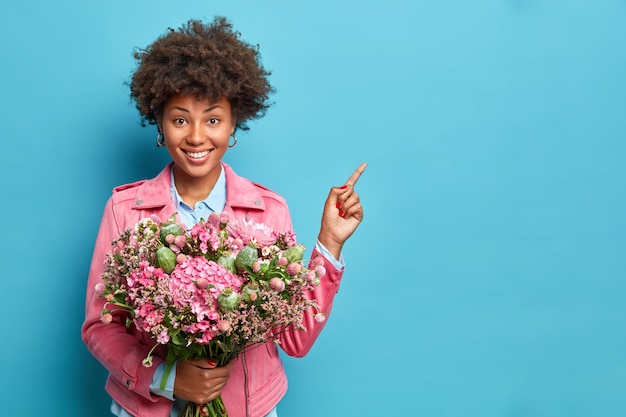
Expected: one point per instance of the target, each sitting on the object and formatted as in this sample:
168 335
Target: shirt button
128 382
139 202
257 202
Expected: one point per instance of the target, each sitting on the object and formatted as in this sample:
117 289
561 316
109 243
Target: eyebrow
205 110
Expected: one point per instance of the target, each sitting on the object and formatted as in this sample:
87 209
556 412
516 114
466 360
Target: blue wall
488 278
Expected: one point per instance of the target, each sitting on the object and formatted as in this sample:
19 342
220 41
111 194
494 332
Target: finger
344 199
203 363
350 201
355 211
356 174
350 207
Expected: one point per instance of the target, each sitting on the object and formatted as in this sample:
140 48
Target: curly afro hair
206 61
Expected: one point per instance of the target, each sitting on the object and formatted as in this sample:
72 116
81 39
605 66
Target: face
196 134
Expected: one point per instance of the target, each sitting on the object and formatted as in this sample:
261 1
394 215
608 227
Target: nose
196 134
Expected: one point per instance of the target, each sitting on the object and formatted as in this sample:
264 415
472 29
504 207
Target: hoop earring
234 141
160 141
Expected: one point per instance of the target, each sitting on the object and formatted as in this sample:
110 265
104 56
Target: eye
179 121
214 121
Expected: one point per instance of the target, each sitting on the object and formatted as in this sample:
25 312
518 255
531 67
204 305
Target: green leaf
166 374
177 339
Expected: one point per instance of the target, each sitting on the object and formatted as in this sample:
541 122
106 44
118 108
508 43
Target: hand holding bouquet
208 292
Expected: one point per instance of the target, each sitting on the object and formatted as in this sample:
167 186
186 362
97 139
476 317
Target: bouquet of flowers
208 292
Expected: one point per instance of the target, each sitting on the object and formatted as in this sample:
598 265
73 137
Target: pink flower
99 288
310 277
277 284
145 310
214 219
154 318
238 243
202 283
320 317
223 326
224 218
207 336
196 230
185 290
283 261
256 266
290 238
106 318
163 338
321 271
294 268
317 261
251 231
180 240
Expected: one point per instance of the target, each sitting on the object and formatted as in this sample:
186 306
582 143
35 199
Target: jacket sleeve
298 342
113 344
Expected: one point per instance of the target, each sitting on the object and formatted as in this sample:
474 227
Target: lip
198 155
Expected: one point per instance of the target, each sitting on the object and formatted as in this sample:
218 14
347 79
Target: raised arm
341 216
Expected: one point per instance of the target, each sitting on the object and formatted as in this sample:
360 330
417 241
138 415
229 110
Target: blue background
488 277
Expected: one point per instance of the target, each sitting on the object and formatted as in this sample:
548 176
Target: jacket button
128 382
257 202
139 202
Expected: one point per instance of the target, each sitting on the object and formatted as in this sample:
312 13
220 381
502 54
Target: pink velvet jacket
257 381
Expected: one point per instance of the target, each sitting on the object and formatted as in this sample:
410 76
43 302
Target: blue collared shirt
214 202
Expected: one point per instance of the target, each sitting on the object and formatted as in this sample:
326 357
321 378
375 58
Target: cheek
172 134
165 130
224 136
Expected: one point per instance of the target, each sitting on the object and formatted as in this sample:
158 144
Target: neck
193 189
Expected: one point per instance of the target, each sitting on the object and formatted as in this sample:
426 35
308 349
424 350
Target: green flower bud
295 253
228 262
246 257
250 291
227 300
166 259
169 229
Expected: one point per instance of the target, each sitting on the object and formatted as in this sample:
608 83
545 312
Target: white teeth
198 155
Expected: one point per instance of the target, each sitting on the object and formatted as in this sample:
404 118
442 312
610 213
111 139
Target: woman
198 84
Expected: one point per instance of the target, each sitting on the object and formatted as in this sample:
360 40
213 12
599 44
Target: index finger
356 174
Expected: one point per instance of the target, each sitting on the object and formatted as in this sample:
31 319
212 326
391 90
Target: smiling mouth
198 155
